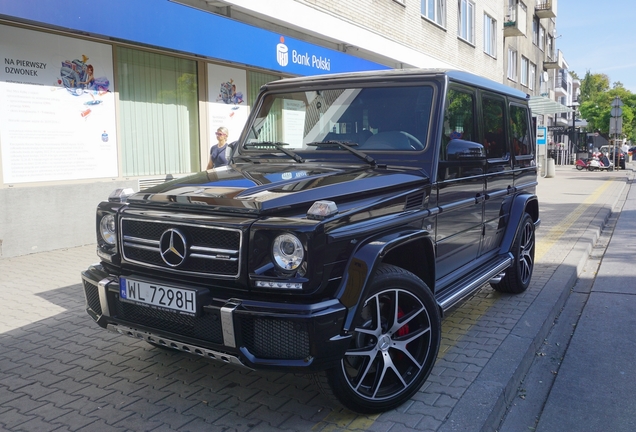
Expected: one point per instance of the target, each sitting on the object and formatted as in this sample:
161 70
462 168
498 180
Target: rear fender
370 254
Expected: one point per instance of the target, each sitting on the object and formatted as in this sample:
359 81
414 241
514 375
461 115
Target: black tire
579 167
518 275
393 348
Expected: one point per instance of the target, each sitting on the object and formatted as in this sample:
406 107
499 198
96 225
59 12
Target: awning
543 105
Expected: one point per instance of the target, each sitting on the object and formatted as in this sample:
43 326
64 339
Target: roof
544 105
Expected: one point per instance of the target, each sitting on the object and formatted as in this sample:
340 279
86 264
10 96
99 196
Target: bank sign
169 25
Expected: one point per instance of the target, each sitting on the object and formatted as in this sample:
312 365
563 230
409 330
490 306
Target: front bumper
254 334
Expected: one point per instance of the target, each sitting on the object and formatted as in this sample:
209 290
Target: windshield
379 119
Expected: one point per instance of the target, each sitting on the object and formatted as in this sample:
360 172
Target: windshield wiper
365 157
277 146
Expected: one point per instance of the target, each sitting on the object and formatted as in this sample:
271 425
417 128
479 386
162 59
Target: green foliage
596 100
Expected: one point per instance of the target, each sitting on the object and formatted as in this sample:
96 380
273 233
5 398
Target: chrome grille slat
211 250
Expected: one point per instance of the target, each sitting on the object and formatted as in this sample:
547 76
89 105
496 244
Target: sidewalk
595 389
59 370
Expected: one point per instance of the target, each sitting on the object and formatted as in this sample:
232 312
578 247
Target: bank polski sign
283 57
302 58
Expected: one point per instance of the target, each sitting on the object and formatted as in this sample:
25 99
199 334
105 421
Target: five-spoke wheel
394 345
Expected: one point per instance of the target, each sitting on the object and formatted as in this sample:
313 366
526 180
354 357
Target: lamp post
573 135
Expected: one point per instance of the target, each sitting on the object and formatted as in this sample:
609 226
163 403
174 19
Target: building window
512 64
490 35
535 30
466 21
541 38
435 10
524 70
550 45
532 76
157 89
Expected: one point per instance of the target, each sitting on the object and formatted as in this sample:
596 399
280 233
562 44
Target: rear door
460 187
499 177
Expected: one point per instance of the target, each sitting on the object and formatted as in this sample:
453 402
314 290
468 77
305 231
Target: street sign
542 135
616 125
617 102
617 111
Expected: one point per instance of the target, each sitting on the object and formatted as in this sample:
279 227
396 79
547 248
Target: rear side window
520 134
494 128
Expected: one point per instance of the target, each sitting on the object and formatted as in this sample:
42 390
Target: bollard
549 169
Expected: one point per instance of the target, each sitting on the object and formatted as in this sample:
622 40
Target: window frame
437 14
490 35
532 75
525 69
466 21
512 69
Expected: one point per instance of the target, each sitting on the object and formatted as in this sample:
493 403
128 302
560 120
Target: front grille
206 327
208 250
270 338
92 297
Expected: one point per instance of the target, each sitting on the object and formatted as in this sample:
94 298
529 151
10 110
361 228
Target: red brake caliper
404 330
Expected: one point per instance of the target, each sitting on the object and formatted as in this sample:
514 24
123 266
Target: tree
593 84
596 99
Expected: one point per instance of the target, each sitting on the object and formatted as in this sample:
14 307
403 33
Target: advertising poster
57 108
227 99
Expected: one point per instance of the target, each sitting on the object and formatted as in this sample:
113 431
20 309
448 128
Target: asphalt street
60 371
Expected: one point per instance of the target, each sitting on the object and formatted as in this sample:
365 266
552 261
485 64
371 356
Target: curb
485 402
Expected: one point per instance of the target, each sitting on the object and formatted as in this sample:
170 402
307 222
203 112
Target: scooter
581 164
596 164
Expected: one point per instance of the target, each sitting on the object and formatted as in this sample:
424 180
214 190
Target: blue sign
542 135
169 25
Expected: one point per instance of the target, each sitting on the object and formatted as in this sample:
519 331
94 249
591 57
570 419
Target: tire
518 275
393 348
579 167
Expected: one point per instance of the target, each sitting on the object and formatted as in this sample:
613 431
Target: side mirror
467 151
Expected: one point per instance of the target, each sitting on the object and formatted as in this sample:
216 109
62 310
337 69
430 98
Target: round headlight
288 252
107 229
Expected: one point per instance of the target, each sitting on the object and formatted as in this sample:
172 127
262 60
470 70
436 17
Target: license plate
159 296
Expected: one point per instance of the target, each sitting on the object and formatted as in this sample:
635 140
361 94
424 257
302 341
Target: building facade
130 95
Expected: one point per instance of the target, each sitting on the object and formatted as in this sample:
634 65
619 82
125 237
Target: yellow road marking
556 232
460 321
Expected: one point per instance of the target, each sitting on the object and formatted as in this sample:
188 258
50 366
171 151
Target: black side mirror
465 151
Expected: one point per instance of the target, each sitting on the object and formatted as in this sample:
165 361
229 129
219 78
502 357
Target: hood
265 188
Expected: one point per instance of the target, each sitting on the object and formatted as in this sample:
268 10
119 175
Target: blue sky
599 36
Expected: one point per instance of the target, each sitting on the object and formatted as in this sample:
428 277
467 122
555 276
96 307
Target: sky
599 36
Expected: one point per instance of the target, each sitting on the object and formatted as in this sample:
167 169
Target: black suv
355 211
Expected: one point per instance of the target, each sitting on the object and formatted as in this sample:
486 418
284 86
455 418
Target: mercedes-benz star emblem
173 247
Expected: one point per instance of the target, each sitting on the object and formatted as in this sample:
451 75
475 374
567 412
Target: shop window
158 112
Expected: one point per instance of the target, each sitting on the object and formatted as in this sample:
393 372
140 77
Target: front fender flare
364 261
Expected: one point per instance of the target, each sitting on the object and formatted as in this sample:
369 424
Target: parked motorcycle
596 164
581 164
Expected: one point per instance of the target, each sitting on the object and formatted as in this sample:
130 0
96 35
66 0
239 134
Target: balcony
546 9
559 63
514 20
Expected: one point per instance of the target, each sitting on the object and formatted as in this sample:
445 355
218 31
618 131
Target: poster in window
57 108
227 99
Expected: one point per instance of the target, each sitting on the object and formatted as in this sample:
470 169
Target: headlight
287 252
107 229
